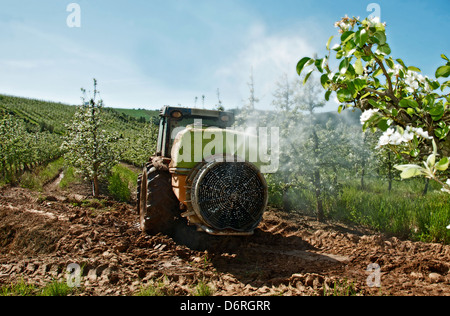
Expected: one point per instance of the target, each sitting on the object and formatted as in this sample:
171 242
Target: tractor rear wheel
157 203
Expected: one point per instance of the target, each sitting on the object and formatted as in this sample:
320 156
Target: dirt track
41 234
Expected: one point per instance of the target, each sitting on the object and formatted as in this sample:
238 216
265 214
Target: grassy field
404 212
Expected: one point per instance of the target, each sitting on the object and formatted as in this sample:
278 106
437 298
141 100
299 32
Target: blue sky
146 54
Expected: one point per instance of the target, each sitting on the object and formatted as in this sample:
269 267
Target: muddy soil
41 234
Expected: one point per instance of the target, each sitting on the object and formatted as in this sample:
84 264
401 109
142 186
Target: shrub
119 189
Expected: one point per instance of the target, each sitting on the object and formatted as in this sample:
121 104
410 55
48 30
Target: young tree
87 144
247 115
310 101
286 117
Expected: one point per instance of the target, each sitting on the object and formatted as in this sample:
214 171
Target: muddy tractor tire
157 204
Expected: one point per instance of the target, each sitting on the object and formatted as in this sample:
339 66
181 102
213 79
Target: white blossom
396 139
407 136
367 115
412 84
396 70
393 137
420 132
384 140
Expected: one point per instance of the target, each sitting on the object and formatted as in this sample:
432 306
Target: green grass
21 288
121 182
41 175
156 288
57 288
341 288
69 177
203 289
404 212
18 289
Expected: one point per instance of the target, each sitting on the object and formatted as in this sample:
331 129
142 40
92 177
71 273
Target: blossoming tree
87 145
410 109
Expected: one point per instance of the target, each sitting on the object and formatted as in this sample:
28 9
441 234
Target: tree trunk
427 183
363 172
95 187
317 180
286 203
335 177
318 192
390 177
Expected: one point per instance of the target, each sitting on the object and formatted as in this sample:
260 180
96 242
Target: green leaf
377 72
414 153
301 64
361 37
445 57
412 68
410 171
442 133
433 84
390 63
374 103
307 76
347 36
401 63
443 164
381 37
384 124
324 81
359 84
383 50
327 95
343 66
443 71
329 42
431 161
319 64
408 103
359 69
394 112
410 111
445 85
344 95
429 100
437 110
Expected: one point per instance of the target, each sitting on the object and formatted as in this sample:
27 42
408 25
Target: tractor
201 172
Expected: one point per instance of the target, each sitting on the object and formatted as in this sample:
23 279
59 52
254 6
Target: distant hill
348 117
45 115
140 114
38 114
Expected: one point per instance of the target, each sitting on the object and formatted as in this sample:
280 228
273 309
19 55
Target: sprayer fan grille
230 195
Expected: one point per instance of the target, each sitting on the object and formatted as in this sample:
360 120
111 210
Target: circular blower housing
229 196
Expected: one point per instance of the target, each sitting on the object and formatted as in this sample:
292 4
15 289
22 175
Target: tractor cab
175 119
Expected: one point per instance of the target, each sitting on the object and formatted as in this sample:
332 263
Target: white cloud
270 56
